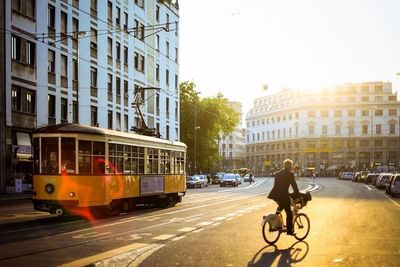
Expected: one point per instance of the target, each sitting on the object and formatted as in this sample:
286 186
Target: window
68 155
118 90
365 89
364 129
311 114
110 119
125 123
109 47
125 55
177 83
51 106
25 7
392 111
324 129
338 144
167 49
351 129
118 17
51 17
351 113
23 99
338 113
109 12
64 29
93 42
157 42
363 155
93 116
365 112
157 13
392 98
75 112
378 143
51 61
139 3
337 129
392 128
75 28
125 25
365 98
93 81
378 88
364 143
167 76
311 129
378 128
118 48
74 70
139 62
139 30
64 110
157 72
23 50
49 155
118 115
126 96
109 87
93 8
176 55
64 66
378 112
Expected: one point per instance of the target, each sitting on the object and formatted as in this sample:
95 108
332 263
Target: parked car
363 176
356 177
194 182
238 178
382 179
395 186
389 184
370 177
346 176
228 179
217 177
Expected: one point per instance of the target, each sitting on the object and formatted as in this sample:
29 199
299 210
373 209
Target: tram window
167 162
112 150
85 161
127 159
99 151
36 154
68 152
50 155
152 160
162 161
172 160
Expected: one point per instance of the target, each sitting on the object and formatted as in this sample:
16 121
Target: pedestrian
250 178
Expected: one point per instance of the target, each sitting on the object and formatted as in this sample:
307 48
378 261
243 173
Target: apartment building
74 61
349 127
231 147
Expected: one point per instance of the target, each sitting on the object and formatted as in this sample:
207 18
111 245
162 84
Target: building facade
231 147
350 127
84 62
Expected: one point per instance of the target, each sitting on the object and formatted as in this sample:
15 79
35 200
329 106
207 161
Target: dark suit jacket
283 179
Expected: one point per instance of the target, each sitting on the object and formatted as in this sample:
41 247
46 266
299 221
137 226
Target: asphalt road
351 225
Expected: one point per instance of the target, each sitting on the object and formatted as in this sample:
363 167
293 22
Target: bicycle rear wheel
270 235
301 226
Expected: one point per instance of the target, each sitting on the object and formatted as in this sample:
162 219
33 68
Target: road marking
204 223
231 214
90 235
187 229
198 230
111 253
178 238
163 237
230 218
394 202
219 218
215 224
370 189
138 236
194 219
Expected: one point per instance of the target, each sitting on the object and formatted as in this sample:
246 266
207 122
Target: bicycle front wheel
301 226
270 234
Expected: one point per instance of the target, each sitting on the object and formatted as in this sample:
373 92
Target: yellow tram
80 169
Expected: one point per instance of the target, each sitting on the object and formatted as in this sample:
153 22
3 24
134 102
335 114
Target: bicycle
273 224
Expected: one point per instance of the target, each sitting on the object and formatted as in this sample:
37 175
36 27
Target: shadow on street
270 254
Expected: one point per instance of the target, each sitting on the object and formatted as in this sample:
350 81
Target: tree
202 121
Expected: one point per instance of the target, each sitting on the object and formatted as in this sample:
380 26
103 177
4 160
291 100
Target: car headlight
49 188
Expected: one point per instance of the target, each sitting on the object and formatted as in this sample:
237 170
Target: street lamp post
196 127
76 37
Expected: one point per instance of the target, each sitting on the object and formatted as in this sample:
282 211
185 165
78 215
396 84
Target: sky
235 47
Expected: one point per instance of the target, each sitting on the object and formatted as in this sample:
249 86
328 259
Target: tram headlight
71 194
49 188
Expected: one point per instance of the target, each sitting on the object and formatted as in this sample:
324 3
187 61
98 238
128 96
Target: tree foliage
202 121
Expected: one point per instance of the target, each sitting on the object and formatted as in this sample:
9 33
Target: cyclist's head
287 164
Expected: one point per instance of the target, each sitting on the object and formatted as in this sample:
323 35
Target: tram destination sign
151 184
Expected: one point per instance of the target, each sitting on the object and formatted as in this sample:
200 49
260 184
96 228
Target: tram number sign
151 184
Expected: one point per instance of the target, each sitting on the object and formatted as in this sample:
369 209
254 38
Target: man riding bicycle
280 192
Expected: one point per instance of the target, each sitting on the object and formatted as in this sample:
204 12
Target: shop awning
23 139
24 147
